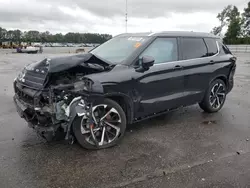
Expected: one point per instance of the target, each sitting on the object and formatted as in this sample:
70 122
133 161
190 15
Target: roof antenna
126 17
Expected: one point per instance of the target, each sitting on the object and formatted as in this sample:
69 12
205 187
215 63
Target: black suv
93 96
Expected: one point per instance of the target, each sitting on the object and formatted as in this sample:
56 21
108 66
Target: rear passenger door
198 64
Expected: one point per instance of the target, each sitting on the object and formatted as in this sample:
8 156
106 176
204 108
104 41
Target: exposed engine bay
49 94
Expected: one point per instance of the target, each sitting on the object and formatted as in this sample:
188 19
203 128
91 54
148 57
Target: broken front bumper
44 122
48 113
47 130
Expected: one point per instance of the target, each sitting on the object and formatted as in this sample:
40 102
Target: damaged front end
50 94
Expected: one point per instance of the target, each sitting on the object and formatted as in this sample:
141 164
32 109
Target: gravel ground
185 148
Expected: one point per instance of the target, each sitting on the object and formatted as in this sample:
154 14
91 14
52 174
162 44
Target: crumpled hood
59 64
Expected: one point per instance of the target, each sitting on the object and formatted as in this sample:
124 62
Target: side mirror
145 63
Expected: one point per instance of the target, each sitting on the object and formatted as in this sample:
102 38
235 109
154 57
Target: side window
193 48
211 46
162 50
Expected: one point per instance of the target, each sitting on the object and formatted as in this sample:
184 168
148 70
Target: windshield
119 48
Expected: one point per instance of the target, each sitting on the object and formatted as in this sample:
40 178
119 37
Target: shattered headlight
82 85
21 75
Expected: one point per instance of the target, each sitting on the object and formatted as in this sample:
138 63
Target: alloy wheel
217 95
106 127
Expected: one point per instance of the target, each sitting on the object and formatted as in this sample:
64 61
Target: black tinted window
162 50
211 46
193 48
225 49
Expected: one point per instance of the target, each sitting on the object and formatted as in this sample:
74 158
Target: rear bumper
231 79
230 85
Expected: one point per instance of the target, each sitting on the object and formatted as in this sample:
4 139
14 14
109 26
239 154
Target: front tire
109 127
215 97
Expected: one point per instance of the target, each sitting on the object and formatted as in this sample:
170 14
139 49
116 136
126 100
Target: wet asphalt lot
185 148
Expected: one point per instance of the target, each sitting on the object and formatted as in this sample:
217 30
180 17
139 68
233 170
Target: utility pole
126 17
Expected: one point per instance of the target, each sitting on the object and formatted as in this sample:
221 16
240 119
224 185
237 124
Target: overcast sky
108 16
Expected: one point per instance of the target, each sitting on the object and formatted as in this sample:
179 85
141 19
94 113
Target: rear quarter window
193 48
211 46
223 48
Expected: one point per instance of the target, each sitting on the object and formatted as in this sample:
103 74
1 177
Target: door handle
211 62
178 67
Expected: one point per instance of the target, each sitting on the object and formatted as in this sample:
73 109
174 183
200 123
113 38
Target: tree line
36 36
238 25
238 31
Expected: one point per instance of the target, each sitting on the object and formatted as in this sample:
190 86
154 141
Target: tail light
232 72
233 59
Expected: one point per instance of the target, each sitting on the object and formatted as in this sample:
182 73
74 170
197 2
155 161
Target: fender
72 112
128 102
77 107
80 105
220 76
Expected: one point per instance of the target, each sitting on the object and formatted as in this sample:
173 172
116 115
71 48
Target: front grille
30 83
33 97
24 97
34 79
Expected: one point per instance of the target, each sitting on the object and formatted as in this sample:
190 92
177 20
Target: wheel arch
221 77
125 102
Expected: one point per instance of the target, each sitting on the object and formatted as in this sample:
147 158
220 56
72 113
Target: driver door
161 87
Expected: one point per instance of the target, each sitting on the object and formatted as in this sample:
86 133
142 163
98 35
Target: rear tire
215 97
113 132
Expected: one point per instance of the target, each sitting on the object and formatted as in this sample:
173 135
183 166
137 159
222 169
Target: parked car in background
131 77
28 49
